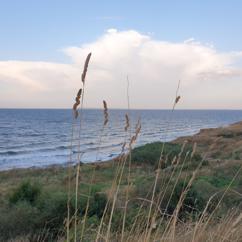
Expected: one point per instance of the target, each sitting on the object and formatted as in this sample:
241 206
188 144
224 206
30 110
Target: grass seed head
177 99
105 112
78 96
127 122
85 68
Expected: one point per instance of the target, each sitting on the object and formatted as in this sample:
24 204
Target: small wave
32 135
11 152
78 152
27 145
112 155
89 143
63 147
28 151
149 133
54 148
105 146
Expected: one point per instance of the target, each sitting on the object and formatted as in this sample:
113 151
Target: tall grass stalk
127 128
118 176
132 141
79 143
105 122
80 95
147 231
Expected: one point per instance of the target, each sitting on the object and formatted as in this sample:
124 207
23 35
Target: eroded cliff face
223 143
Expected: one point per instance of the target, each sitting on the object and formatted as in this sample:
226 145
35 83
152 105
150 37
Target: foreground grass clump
30 209
39 210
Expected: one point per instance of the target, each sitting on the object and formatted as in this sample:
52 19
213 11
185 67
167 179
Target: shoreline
230 131
43 139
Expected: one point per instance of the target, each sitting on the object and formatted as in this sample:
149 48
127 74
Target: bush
150 153
195 200
97 205
25 192
32 210
53 207
20 219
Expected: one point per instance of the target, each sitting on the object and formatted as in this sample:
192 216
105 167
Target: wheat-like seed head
85 68
137 131
177 99
105 112
78 96
127 122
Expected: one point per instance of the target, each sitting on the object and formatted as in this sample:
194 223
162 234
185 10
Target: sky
43 46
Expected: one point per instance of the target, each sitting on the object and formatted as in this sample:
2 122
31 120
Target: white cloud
209 78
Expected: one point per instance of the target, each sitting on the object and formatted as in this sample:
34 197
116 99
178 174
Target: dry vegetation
188 190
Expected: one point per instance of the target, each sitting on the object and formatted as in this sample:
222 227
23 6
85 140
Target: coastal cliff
223 143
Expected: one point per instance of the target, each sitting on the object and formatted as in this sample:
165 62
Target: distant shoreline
230 130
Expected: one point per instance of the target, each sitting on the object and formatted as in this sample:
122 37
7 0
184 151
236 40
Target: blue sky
34 30
44 43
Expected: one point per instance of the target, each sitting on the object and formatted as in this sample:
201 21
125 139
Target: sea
43 137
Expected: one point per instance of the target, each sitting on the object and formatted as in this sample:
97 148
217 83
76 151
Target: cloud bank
209 78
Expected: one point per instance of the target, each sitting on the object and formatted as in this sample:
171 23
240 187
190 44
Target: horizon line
154 109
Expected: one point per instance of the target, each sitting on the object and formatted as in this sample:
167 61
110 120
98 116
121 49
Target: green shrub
150 154
25 192
53 207
97 205
32 210
19 220
194 202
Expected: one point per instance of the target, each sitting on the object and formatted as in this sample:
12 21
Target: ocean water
41 137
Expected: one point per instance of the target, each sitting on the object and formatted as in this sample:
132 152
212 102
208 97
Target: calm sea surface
40 137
